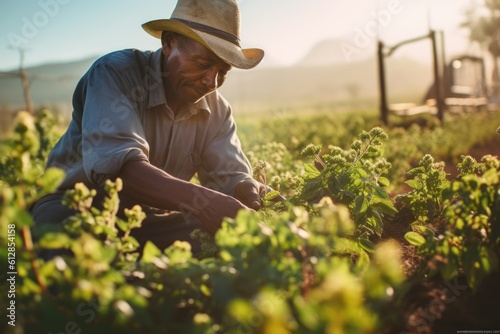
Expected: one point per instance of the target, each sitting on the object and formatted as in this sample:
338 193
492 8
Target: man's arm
151 186
224 166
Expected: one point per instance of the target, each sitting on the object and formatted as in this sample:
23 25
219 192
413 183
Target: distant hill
329 52
322 76
52 84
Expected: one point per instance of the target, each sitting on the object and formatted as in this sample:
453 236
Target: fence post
384 110
437 78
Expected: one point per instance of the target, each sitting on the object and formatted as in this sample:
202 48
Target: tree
483 23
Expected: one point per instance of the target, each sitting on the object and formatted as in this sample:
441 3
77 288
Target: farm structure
458 85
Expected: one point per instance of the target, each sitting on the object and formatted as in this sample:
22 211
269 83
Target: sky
65 30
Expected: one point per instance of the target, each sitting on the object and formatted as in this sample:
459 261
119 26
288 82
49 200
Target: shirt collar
156 92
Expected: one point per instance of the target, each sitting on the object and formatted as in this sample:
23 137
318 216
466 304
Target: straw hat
213 23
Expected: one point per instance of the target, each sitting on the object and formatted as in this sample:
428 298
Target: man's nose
210 79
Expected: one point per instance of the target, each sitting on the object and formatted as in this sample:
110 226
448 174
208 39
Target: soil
492 147
434 305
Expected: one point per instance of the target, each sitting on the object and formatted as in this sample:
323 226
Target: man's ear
167 40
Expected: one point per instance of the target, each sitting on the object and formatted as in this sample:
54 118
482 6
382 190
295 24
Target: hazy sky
58 30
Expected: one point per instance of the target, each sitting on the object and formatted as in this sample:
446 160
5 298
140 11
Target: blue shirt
121 114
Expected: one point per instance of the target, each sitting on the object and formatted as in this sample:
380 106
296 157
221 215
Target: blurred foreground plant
283 269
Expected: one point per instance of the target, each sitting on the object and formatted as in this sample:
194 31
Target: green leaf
414 238
379 224
424 229
413 183
122 225
344 246
22 218
416 170
383 181
362 173
485 206
311 171
205 290
384 207
150 252
361 204
491 176
366 244
312 189
50 180
271 195
225 256
381 194
55 241
305 312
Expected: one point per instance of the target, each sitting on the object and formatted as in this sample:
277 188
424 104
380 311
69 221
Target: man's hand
249 193
218 206
148 185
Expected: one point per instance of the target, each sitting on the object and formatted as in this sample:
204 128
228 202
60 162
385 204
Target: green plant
426 200
22 182
353 178
469 242
275 166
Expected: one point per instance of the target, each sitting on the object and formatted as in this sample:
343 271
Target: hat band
210 30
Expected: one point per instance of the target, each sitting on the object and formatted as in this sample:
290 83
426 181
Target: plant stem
28 244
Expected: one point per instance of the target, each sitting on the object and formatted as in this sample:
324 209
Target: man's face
192 70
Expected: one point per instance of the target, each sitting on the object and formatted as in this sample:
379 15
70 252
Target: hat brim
227 51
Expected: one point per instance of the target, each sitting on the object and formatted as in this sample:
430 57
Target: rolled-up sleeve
223 162
112 133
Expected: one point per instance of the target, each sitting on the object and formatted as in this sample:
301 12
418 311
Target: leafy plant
353 178
22 182
426 200
470 240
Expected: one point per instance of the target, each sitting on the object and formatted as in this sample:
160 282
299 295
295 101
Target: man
155 119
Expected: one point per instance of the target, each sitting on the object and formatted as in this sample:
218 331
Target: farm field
384 230
409 138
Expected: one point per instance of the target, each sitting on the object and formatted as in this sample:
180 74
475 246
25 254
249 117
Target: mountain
51 85
336 51
323 76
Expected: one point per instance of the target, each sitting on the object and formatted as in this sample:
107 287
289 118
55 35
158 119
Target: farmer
155 119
